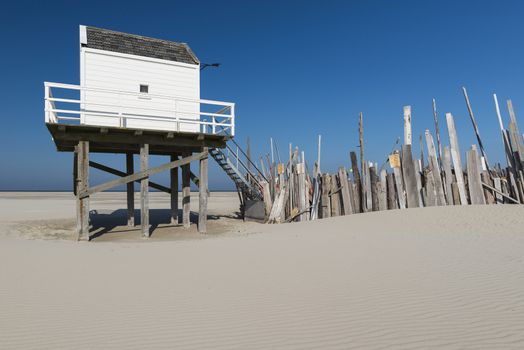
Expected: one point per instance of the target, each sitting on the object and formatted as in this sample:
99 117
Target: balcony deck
125 121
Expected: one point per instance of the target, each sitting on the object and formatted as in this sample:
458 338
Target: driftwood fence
444 176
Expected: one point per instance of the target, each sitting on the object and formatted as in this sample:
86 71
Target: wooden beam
202 195
122 174
173 179
186 192
82 218
130 191
142 174
144 190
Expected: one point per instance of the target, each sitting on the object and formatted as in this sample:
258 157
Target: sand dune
449 277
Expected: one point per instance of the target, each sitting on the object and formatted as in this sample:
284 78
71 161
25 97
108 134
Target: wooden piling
173 176
130 189
82 203
186 193
448 175
202 194
144 190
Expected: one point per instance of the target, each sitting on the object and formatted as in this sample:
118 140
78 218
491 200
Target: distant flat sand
432 278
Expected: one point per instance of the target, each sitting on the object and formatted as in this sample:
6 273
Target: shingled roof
104 39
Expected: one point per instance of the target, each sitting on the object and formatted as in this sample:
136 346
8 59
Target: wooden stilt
202 195
130 191
144 190
186 192
82 182
173 175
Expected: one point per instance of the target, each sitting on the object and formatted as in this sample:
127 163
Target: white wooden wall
122 72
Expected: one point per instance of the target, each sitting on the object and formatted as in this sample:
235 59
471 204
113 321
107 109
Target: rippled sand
442 278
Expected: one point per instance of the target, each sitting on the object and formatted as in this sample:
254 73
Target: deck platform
125 140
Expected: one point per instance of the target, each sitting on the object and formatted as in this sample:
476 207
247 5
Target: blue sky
295 69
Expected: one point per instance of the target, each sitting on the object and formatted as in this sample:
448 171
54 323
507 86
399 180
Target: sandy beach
443 277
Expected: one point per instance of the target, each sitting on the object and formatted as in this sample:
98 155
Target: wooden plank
173 180
435 170
407 125
431 193
408 173
475 127
347 205
302 191
518 135
392 195
498 193
266 191
335 196
130 189
455 157
117 172
513 200
363 166
186 193
374 181
367 195
358 182
476 193
455 193
202 194
399 184
141 174
382 191
437 131
144 190
325 208
82 185
488 195
418 175
448 175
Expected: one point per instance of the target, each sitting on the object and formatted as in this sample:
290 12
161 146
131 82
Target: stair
243 185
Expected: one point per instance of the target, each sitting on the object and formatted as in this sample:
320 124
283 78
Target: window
144 88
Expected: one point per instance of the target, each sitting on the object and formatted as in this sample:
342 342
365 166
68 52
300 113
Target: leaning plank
142 174
122 174
408 172
500 193
455 156
476 193
498 190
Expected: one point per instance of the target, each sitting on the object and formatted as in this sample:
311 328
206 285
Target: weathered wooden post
408 172
130 190
82 184
144 190
407 125
448 175
474 181
455 156
173 177
202 193
186 193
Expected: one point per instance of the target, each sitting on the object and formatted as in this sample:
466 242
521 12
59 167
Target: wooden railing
202 116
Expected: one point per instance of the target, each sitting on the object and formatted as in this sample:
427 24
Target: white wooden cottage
137 82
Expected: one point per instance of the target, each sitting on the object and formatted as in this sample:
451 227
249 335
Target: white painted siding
114 71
